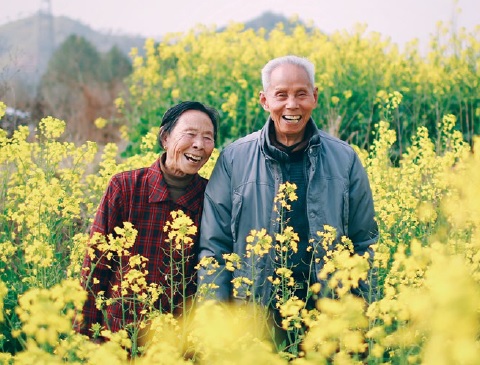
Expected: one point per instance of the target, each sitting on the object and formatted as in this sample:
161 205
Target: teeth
292 117
192 157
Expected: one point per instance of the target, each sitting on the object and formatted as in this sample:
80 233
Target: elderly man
331 185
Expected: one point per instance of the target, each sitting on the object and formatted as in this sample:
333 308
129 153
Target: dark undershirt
176 184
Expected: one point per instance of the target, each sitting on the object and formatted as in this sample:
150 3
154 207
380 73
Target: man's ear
263 100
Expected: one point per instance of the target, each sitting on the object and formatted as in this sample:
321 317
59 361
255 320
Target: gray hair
292 60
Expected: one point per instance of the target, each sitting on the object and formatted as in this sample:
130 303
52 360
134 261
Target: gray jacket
240 193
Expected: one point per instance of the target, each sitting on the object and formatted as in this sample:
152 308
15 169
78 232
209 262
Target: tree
115 65
80 85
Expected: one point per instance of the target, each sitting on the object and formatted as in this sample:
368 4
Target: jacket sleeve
216 234
363 228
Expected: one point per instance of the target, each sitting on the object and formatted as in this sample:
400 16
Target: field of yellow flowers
426 198
355 72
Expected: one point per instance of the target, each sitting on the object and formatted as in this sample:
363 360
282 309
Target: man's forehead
290 87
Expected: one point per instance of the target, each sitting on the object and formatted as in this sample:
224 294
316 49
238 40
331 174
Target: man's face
290 99
189 144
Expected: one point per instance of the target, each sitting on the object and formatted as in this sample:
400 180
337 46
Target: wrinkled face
290 99
189 144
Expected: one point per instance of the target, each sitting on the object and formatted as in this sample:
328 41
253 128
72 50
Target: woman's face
189 144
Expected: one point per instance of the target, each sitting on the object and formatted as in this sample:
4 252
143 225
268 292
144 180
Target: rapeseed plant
3 109
134 295
180 232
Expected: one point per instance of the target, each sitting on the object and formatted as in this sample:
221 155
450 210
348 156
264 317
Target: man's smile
292 118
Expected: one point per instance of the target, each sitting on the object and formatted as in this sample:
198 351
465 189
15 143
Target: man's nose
292 102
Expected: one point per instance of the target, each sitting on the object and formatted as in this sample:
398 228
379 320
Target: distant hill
24 31
21 41
268 21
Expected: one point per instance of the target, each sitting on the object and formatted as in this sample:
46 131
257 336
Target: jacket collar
271 151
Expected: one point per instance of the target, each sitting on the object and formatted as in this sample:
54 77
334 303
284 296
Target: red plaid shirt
142 198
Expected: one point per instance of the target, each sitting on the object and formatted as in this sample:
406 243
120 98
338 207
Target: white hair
292 60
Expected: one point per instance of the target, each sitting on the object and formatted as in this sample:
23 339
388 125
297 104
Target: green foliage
75 60
114 65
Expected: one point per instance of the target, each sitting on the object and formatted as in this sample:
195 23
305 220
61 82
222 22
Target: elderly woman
145 197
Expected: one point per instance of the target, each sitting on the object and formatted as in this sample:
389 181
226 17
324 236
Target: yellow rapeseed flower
51 128
100 123
3 109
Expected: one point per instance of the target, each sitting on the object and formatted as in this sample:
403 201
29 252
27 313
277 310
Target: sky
401 20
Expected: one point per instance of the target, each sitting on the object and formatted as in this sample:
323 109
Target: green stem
171 278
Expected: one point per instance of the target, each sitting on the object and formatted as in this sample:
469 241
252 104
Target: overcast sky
402 20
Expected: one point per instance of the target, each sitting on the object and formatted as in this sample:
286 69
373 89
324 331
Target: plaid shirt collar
158 189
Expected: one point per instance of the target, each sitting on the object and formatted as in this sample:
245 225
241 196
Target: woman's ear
163 139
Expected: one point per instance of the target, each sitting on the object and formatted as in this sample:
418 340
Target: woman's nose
198 143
